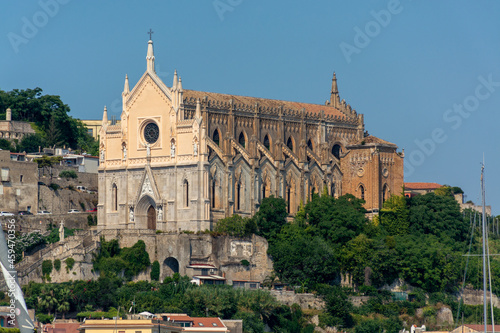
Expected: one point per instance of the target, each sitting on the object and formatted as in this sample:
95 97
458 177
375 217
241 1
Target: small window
309 144
289 143
241 140
186 193
267 144
21 178
90 132
362 191
336 151
216 138
214 324
201 324
253 285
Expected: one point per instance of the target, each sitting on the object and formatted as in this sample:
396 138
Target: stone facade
182 159
14 130
18 187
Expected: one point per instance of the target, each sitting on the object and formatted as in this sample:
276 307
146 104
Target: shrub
54 186
45 319
245 263
71 188
57 264
155 271
68 174
70 262
82 204
47 267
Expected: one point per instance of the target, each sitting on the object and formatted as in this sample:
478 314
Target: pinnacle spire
334 94
174 84
150 58
126 87
198 109
105 116
180 84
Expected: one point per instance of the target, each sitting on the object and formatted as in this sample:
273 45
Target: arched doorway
151 218
171 266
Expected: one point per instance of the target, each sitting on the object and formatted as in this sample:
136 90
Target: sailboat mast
485 313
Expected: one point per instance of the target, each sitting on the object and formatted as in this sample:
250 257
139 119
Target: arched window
313 191
289 143
267 144
333 189
213 193
215 137
309 144
336 151
385 193
186 193
238 196
288 197
362 191
241 140
263 190
114 198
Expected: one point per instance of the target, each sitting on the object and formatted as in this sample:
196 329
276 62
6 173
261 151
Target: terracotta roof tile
422 186
207 322
480 328
271 103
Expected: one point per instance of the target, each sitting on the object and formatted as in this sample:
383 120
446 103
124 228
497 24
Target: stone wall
61 200
306 301
42 223
225 253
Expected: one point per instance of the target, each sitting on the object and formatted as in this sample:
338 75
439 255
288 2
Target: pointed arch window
186 193
333 189
216 138
309 144
267 144
289 143
336 151
241 140
362 192
385 193
213 192
288 197
238 196
264 190
114 198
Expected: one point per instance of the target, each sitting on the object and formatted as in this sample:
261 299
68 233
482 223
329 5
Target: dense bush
68 174
57 264
155 271
47 268
70 262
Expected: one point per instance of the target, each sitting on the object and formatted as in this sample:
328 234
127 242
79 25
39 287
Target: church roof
422 186
266 103
373 139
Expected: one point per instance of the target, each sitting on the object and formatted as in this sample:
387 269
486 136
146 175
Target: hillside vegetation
420 240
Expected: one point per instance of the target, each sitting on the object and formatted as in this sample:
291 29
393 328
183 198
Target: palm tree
47 301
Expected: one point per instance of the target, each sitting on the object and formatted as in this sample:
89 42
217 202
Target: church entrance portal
151 218
171 266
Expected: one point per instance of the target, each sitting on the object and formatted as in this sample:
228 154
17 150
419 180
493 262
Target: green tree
31 143
271 217
155 271
6 145
395 215
235 226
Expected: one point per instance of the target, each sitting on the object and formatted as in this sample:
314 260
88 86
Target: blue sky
426 74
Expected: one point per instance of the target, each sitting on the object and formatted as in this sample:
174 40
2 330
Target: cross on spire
150 32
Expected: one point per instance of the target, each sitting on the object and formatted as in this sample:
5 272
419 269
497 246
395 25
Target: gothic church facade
181 159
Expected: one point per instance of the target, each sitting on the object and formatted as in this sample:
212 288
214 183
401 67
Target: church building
181 159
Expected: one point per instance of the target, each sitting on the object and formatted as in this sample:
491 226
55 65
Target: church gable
148 186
